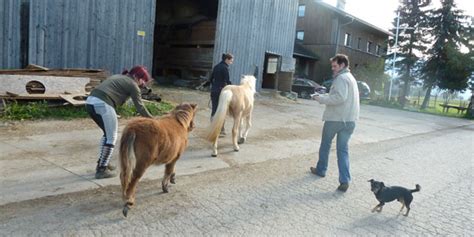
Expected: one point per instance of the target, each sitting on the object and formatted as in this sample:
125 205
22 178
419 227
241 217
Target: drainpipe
339 29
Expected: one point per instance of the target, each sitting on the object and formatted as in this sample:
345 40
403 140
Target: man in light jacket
342 110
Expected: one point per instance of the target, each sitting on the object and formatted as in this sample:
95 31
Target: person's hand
315 96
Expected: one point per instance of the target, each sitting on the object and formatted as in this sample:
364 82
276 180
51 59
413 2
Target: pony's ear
194 106
371 180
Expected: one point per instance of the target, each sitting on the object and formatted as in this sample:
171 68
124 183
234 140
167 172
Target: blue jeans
344 131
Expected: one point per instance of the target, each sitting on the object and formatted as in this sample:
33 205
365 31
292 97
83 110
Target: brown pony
238 101
153 141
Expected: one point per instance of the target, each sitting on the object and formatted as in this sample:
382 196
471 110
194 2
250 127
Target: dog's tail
417 189
219 117
126 163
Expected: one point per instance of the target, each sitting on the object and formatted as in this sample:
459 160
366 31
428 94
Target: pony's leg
248 122
235 130
132 187
214 148
241 131
169 173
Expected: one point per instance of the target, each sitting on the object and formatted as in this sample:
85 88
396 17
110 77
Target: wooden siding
249 28
91 33
14 33
320 25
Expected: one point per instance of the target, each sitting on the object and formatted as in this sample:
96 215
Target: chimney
341 4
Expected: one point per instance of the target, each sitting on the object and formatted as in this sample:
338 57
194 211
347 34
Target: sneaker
109 167
343 187
104 173
313 170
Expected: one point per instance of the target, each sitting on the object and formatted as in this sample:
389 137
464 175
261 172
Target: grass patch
433 108
43 110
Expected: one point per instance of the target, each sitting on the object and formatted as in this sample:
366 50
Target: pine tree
410 42
446 66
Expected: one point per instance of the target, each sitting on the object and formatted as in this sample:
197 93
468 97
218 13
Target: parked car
305 87
364 89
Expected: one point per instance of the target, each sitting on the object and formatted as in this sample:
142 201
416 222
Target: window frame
347 39
297 32
369 46
303 7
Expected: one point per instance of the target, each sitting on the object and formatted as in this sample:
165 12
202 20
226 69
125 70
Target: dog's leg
407 204
403 204
132 187
169 171
378 208
408 211
235 129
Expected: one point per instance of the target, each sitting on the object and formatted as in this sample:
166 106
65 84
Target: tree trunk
405 92
426 100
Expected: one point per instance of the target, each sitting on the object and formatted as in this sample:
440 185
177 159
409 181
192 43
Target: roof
343 13
301 51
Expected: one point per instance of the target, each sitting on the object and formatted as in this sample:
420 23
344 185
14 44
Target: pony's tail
219 116
126 164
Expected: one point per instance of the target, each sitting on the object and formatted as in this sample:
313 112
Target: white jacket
342 102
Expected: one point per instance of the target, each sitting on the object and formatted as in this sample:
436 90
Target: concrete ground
47 168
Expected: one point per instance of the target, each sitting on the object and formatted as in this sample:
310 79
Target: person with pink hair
101 105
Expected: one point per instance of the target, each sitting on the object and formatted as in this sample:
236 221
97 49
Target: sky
382 15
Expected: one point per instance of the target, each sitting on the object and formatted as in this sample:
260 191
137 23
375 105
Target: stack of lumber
39 83
96 75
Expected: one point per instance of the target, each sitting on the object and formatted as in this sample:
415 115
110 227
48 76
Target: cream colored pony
238 101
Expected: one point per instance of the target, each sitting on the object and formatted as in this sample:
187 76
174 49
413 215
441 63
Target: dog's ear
371 180
381 183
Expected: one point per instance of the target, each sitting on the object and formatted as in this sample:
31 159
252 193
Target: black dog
388 194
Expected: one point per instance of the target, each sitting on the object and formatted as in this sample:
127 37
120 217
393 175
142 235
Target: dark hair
340 59
227 56
138 72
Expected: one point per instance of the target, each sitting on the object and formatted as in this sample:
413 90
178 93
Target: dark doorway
270 71
184 41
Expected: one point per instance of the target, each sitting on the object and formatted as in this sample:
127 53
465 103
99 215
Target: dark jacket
220 77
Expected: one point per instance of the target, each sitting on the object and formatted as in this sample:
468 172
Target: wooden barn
179 39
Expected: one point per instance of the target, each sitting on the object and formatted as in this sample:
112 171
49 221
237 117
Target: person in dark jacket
101 105
219 79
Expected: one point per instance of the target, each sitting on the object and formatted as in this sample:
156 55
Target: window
369 46
377 49
359 41
301 10
300 35
347 40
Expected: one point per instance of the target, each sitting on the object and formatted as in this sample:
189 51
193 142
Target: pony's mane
249 80
184 114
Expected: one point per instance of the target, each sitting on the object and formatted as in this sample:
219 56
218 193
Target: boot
104 173
109 166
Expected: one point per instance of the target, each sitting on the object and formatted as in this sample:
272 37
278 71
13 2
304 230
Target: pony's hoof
126 207
173 179
214 155
241 140
236 150
165 190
